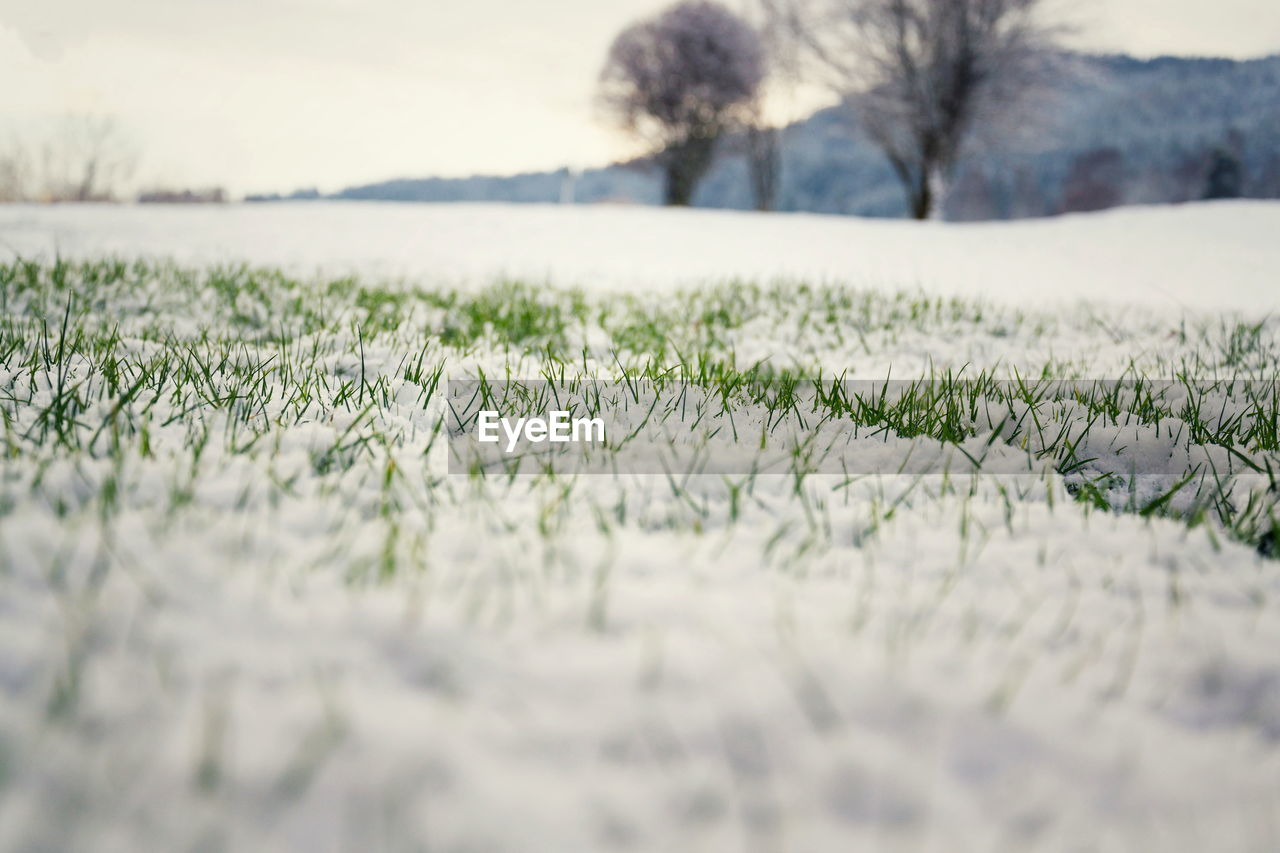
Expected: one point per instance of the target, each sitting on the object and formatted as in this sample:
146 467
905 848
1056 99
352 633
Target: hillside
1118 131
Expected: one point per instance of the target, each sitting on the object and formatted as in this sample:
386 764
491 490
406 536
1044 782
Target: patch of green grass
132 360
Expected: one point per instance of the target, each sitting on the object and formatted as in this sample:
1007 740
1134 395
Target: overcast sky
276 94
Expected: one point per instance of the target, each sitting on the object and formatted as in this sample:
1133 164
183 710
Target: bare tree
681 80
81 158
90 158
15 172
922 74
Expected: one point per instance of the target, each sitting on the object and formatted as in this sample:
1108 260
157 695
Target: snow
1220 255
215 658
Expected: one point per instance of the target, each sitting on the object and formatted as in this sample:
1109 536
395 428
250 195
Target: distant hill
1118 130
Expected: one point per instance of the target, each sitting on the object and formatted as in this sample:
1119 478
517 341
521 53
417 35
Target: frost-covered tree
681 80
921 74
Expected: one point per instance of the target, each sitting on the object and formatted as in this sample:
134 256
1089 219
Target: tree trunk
764 164
685 163
920 198
927 193
936 180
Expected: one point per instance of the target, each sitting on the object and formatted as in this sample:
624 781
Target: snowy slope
1219 256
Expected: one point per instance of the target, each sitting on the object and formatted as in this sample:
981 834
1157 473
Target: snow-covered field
1222 255
244 605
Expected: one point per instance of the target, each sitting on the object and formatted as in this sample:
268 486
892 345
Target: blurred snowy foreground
244 605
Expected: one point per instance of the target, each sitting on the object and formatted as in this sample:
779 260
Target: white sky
276 94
